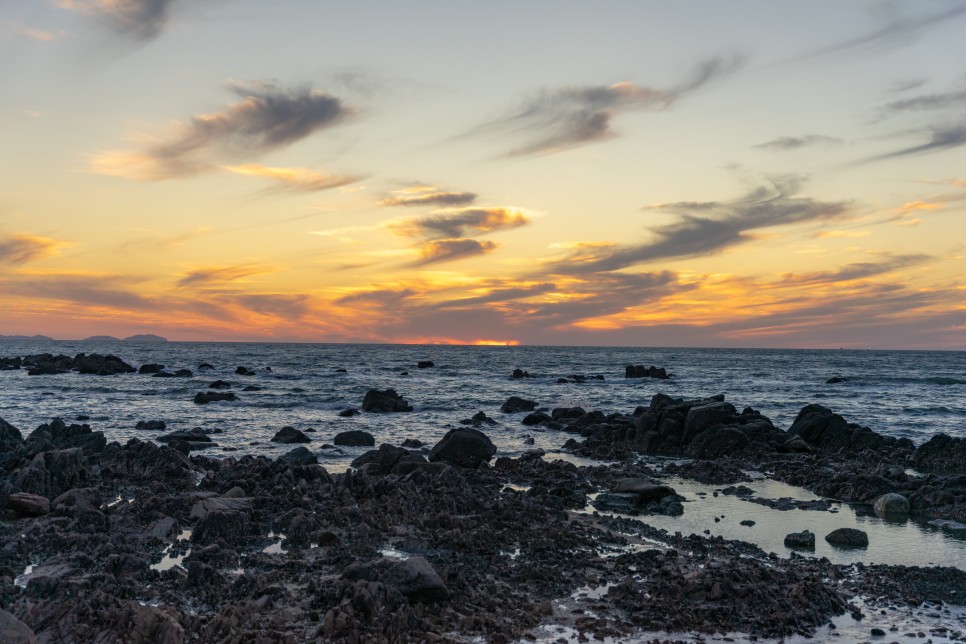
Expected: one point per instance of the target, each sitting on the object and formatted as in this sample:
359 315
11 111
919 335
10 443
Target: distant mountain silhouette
145 337
39 338
101 338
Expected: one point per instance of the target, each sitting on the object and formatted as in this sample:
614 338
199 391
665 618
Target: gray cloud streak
944 137
576 116
795 142
20 249
448 250
456 223
429 196
707 228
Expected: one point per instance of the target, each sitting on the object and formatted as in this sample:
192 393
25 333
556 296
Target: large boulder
99 365
300 456
354 438
389 459
463 447
804 540
891 505
384 401
29 505
515 404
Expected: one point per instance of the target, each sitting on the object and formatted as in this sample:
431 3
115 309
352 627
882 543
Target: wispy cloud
288 306
266 118
556 120
220 275
896 30
704 228
20 249
294 179
90 290
795 142
422 195
460 221
859 270
27 32
925 102
942 137
448 250
141 20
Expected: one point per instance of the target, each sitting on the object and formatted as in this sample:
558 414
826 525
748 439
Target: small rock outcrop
640 371
203 397
804 540
384 401
848 538
516 404
354 438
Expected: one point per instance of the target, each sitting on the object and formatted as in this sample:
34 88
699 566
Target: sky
549 172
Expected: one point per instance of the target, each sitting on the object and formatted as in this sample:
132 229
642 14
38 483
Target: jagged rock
479 418
354 438
640 371
203 398
519 373
463 447
29 505
516 404
829 432
389 459
289 435
891 505
848 537
10 436
804 540
384 401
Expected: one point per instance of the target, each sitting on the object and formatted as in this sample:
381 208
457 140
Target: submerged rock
203 398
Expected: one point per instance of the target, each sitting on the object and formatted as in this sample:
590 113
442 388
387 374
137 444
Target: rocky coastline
152 542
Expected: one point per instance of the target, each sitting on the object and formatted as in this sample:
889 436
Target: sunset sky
744 174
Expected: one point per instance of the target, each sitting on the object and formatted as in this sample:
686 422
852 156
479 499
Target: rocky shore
451 542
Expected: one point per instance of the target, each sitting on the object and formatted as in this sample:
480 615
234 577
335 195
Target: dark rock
29 505
10 436
151 368
519 373
299 456
942 453
220 384
645 490
463 447
196 435
567 413
99 365
290 435
389 459
747 522
536 418
479 418
414 577
804 540
891 505
834 380
183 373
152 425
640 371
204 366
341 370
13 631
203 398
848 537
384 401
425 364
252 388
412 443
829 432
244 371
354 438
163 374
348 413
516 404
952 527
877 632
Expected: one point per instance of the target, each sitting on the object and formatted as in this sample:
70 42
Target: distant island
141 337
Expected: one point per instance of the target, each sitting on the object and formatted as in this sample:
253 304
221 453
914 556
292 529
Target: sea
912 394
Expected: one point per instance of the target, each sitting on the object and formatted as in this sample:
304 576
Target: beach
517 515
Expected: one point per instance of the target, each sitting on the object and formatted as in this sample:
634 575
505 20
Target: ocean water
900 393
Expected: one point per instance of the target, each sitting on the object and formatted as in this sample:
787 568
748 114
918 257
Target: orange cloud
20 249
294 179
